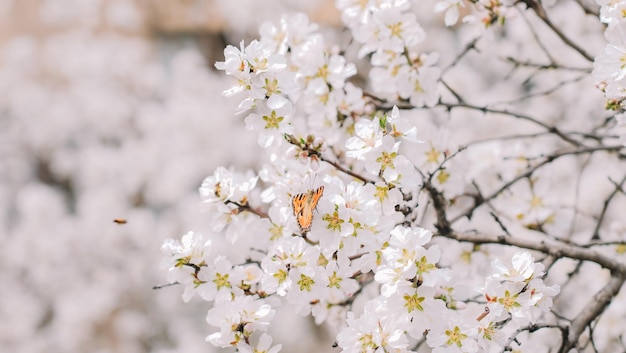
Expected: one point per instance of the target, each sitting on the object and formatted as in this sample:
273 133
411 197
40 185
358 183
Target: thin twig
530 328
530 171
593 309
541 13
551 129
469 46
346 171
551 247
618 187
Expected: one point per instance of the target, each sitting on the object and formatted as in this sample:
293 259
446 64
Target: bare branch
551 247
346 171
551 129
470 46
531 328
618 187
530 171
593 309
541 13
588 10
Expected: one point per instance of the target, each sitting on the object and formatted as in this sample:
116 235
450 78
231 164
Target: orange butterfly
303 206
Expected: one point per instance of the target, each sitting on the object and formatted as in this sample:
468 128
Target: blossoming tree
453 191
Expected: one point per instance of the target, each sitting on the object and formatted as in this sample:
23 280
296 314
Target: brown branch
603 243
346 171
469 46
593 309
439 203
165 285
541 13
551 129
247 208
539 66
551 247
531 328
314 152
618 187
555 248
589 11
530 171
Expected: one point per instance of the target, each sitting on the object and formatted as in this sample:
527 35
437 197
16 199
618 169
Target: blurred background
112 110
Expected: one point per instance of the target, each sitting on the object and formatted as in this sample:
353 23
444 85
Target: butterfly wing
303 206
315 196
297 203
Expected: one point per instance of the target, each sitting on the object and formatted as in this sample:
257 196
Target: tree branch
530 171
550 247
618 187
551 129
541 13
593 309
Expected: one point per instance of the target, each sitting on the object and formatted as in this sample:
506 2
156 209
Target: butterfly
303 206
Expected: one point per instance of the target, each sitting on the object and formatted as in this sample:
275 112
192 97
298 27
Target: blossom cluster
390 33
609 69
483 12
416 300
350 253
